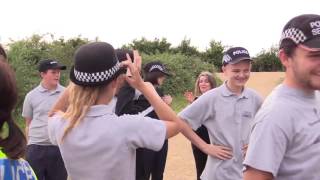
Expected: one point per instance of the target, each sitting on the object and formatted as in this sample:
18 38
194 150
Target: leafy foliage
214 54
267 60
185 61
184 70
149 47
24 55
186 48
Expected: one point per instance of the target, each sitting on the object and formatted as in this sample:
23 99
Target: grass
178 103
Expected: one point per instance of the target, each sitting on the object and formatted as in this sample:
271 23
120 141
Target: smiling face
303 68
237 74
204 84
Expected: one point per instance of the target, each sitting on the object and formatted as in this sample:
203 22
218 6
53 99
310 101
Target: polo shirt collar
226 92
245 93
296 92
43 89
100 110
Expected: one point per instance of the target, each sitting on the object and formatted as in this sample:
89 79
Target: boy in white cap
285 141
226 112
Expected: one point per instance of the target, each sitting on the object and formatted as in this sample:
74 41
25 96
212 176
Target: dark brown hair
15 144
152 77
288 47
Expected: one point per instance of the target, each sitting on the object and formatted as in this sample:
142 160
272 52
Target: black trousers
200 157
46 162
151 163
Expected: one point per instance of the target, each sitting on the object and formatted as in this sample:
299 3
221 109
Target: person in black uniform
130 101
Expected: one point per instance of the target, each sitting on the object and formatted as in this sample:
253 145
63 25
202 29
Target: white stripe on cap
53 62
226 58
156 67
97 76
294 34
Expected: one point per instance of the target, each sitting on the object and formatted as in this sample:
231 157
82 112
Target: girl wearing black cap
130 101
94 142
149 162
12 147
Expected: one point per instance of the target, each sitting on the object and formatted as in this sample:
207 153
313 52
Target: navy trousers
46 162
151 163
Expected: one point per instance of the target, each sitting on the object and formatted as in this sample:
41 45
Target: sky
253 24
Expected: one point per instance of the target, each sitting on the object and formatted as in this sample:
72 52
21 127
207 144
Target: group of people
110 123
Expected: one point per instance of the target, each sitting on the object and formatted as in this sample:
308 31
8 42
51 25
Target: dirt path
180 163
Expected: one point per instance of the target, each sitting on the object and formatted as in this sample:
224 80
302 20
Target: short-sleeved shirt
227 117
103 145
38 102
285 140
15 169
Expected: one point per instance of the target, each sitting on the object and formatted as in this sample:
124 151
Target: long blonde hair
211 80
81 98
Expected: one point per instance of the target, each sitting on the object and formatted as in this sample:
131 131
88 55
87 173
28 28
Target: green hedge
24 55
184 70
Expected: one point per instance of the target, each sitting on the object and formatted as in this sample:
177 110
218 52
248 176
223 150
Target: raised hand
133 76
137 59
167 99
189 96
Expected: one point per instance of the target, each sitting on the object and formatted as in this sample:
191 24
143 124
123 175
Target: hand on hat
134 77
137 59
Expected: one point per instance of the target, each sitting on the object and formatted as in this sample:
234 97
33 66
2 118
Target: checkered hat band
156 67
97 76
294 34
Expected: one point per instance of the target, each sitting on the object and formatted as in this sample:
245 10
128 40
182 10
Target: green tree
267 61
186 48
214 54
149 47
184 70
24 55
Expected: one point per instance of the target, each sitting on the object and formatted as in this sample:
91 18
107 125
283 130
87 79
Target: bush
267 61
24 55
184 70
214 54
